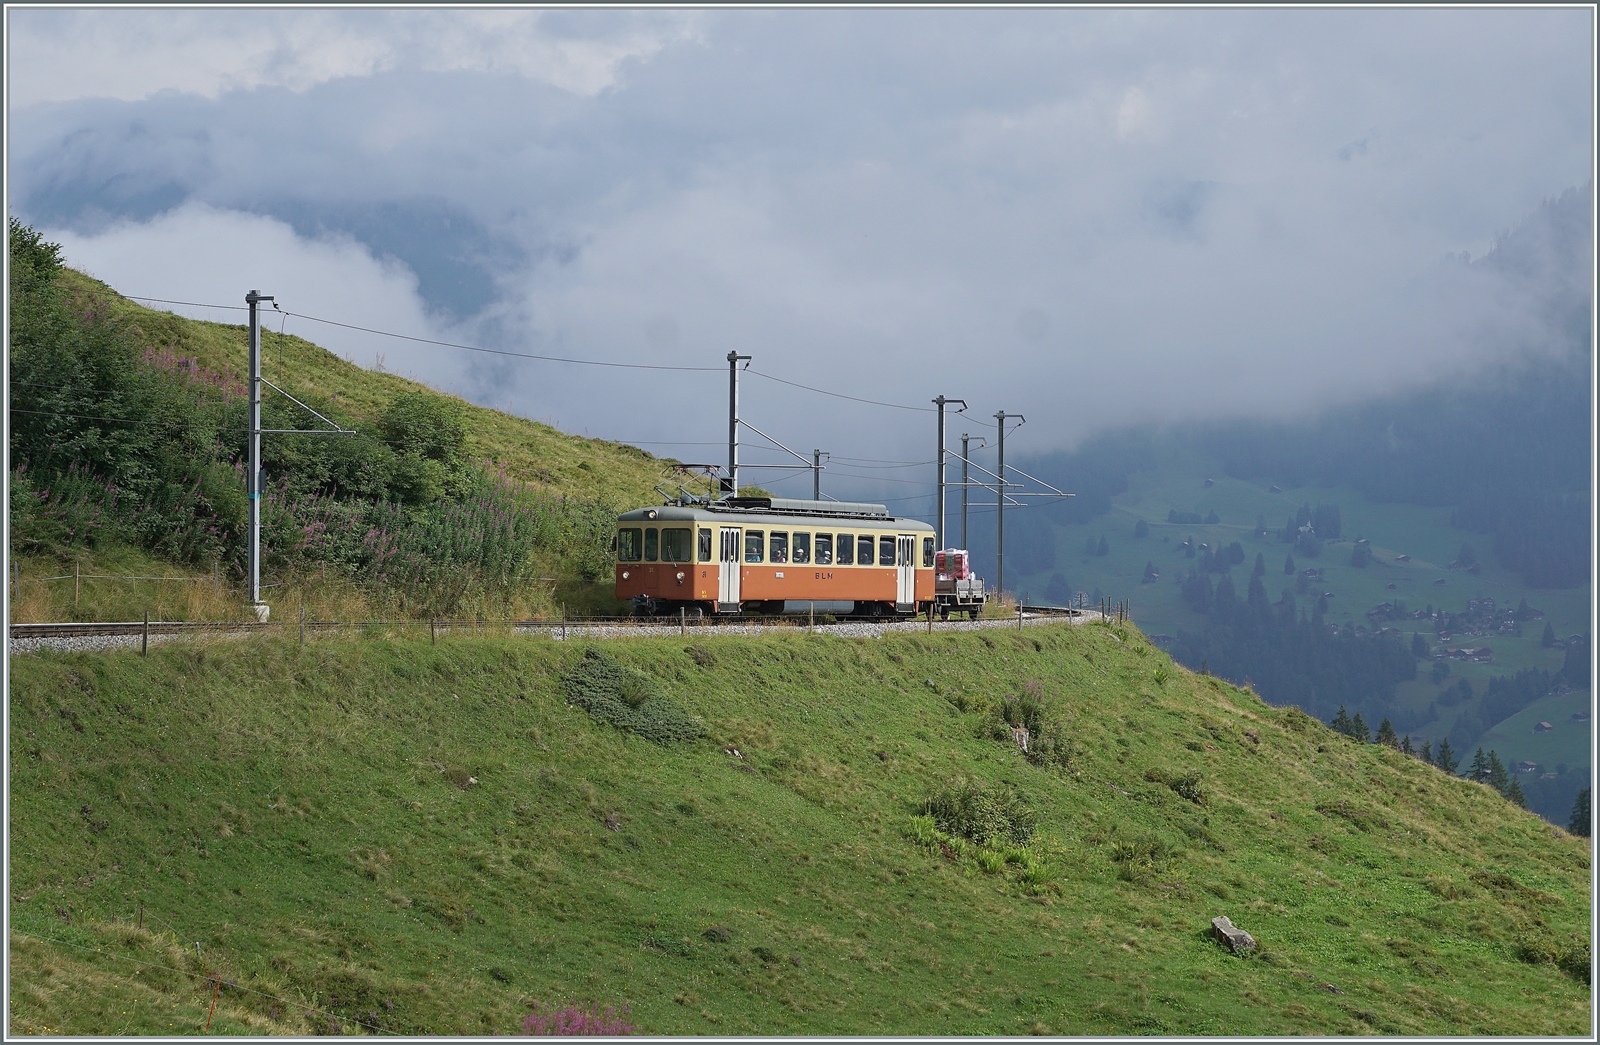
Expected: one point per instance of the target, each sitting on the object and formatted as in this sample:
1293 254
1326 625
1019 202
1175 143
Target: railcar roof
771 517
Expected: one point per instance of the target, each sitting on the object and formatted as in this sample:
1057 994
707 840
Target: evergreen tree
1288 565
1325 520
1405 746
1386 735
1548 640
1479 770
1358 729
1103 548
1575 665
1446 759
1515 796
1212 520
1341 722
1150 573
1261 566
1578 823
1466 556
1498 778
1522 610
1224 598
1426 754
1256 599
1089 546
1141 529
1419 646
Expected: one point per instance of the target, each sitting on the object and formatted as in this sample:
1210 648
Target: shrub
985 813
1185 785
1141 857
1048 741
629 700
1572 958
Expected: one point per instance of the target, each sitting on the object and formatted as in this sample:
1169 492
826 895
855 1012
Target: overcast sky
1088 217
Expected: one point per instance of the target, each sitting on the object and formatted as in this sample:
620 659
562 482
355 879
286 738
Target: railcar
774 555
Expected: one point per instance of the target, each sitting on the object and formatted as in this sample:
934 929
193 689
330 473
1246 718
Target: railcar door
905 572
728 567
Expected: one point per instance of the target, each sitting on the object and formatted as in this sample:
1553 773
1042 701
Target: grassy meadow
377 834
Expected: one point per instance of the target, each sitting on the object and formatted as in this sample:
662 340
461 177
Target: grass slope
430 839
535 453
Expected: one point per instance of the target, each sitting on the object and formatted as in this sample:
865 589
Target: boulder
1231 936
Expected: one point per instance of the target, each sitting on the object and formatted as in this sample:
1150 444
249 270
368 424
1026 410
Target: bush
984 813
1572 957
1048 741
1185 785
1141 857
629 700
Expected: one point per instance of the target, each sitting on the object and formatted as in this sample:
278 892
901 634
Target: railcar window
847 549
802 548
824 549
885 551
927 552
864 550
652 542
780 548
755 544
630 543
676 546
705 545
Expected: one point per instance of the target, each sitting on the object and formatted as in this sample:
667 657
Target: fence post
1019 616
302 624
433 631
682 618
144 636
76 572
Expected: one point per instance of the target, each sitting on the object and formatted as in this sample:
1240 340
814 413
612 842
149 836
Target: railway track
575 625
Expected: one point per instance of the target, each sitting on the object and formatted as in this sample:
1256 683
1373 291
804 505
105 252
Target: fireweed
550 1020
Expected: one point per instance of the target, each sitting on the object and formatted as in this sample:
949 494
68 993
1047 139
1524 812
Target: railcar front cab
663 559
703 560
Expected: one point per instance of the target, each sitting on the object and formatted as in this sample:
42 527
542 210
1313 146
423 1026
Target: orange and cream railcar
772 555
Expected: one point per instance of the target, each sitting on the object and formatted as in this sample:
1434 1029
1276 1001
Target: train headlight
624 574
680 576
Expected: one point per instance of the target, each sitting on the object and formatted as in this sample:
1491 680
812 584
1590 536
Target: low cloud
1091 218
131 55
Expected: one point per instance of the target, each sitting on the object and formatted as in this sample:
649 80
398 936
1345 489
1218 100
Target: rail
124 629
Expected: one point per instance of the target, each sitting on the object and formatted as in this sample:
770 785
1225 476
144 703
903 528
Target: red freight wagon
774 555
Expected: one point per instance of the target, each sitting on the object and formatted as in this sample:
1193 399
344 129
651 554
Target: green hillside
529 451
128 445
433 839
1178 481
